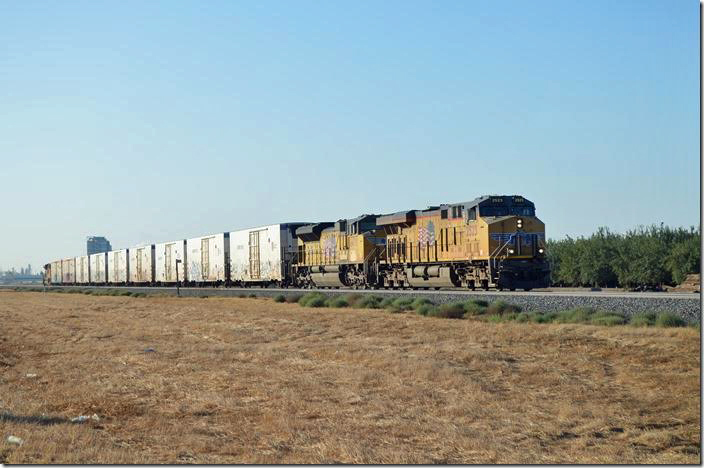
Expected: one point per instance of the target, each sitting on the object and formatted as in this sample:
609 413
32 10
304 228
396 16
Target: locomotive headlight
541 250
519 223
511 251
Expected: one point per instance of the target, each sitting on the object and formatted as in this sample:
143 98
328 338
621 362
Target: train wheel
511 289
527 289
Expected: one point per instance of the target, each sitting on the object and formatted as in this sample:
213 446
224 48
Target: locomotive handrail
497 251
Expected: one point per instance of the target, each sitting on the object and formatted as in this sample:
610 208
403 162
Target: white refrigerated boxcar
263 254
166 267
68 270
118 266
208 257
141 264
98 267
56 276
82 270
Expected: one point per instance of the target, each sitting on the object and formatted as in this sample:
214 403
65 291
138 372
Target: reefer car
68 270
167 269
208 258
82 270
98 268
263 255
142 264
118 266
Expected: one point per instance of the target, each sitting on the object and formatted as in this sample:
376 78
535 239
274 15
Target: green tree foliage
644 257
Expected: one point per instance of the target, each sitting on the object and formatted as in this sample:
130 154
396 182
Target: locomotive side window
472 214
443 214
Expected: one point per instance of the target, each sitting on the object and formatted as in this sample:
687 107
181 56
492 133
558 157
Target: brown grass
253 381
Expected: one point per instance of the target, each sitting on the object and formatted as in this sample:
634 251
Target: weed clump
453 310
668 319
403 303
420 302
475 307
577 315
369 302
425 310
279 298
501 308
608 319
644 319
353 299
337 302
252 295
314 299
386 302
293 298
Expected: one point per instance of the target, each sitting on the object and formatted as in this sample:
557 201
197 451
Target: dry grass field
228 380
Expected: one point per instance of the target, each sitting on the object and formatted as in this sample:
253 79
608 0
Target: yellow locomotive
492 241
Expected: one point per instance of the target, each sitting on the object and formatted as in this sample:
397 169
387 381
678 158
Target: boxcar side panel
256 254
68 270
207 257
166 255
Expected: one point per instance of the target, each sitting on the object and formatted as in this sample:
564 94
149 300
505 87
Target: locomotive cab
516 242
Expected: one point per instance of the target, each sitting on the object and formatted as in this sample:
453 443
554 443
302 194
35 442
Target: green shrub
576 315
252 295
337 302
609 320
425 309
501 307
317 302
479 302
419 302
294 298
643 319
495 318
139 294
306 298
454 310
525 317
403 303
368 302
473 308
668 319
386 302
279 298
125 293
353 299
241 296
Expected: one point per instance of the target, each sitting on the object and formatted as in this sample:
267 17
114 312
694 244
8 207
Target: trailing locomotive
489 242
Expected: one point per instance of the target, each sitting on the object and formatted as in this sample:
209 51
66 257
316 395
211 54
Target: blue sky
153 121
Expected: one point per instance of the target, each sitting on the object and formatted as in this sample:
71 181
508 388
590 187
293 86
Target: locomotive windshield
506 211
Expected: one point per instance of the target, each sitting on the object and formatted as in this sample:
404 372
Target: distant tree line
646 257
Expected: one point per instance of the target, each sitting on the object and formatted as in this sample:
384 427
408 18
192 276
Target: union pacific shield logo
426 233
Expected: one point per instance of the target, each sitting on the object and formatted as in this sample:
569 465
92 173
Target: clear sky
153 121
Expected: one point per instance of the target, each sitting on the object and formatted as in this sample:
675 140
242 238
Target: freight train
493 241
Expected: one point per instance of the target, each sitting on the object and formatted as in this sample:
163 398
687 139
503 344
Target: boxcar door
205 258
167 265
254 266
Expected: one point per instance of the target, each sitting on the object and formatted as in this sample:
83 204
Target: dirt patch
228 380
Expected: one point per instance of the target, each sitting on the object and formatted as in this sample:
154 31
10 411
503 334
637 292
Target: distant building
96 244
